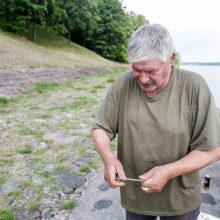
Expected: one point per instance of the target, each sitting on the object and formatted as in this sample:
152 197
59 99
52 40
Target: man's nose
143 78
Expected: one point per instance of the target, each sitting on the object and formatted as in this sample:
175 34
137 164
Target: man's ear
172 59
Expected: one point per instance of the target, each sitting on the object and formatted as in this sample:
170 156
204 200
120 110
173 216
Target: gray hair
148 42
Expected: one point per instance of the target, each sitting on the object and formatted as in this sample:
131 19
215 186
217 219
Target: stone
46 190
50 167
208 199
37 181
47 213
87 142
103 204
10 187
59 139
71 181
104 187
67 190
83 131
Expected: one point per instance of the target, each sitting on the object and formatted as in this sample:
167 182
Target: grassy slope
50 51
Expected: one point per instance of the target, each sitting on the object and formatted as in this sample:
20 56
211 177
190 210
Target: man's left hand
155 179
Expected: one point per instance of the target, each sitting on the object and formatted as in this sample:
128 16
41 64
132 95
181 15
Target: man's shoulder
123 79
183 75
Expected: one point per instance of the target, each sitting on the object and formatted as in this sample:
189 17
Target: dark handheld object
207 181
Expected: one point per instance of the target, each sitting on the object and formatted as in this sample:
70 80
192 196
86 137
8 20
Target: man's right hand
113 169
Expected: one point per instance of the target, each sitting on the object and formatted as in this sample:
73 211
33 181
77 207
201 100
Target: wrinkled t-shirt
154 131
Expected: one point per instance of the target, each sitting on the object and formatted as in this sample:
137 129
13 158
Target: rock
86 158
50 167
68 140
52 136
208 199
38 120
83 131
103 204
37 181
47 213
67 190
104 187
43 146
69 180
87 142
60 216
10 187
82 125
46 190
30 166
59 139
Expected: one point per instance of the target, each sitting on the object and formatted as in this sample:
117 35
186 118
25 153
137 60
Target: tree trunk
69 35
34 33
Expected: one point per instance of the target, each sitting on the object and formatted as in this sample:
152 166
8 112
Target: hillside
17 52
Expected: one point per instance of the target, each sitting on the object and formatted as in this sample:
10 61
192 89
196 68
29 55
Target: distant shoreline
201 63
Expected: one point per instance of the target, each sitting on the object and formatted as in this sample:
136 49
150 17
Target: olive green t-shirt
158 130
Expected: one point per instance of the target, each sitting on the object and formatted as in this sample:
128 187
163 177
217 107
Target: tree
55 17
110 37
82 19
136 20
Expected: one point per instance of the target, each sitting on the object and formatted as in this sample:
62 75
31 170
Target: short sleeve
107 117
205 119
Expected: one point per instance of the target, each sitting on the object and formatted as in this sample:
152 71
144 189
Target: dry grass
19 53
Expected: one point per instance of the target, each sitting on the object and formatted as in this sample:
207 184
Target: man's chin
149 89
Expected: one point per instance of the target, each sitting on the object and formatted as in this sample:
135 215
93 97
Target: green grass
34 206
25 150
3 178
3 100
61 169
17 194
70 204
7 214
26 183
85 169
42 87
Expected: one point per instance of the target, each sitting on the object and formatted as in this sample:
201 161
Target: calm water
212 76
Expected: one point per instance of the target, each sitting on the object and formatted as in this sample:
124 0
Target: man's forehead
153 63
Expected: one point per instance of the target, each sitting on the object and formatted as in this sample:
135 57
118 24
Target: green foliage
7 214
3 100
68 204
100 25
177 60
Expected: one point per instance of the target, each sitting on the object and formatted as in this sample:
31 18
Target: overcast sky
193 24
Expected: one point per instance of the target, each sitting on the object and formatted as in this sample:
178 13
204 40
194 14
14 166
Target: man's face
153 75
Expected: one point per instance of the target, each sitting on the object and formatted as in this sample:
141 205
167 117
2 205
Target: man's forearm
103 144
193 161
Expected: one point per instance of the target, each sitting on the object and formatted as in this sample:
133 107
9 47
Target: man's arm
157 177
112 165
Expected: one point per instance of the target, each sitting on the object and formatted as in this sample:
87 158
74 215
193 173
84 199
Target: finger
121 174
147 189
146 176
147 183
113 181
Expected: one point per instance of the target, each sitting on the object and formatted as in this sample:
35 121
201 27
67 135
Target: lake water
212 76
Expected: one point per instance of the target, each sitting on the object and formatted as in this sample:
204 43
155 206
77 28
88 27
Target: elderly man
168 128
